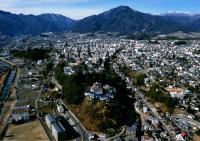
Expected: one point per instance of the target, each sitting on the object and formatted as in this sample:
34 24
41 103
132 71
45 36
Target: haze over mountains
121 19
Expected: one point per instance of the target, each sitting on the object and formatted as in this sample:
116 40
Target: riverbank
8 84
3 79
8 91
8 62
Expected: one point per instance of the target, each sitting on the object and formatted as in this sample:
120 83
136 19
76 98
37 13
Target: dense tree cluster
197 52
126 70
181 42
142 35
139 79
32 54
47 70
73 87
198 132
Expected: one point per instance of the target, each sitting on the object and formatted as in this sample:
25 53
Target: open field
196 138
5 113
89 110
161 106
30 131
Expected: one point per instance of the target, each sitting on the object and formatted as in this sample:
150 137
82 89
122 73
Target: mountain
126 20
182 18
194 25
121 19
12 24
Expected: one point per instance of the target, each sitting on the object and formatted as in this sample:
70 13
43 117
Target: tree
50 66
73 92
32 54
105 124
140 79
180 42
198 132
51 85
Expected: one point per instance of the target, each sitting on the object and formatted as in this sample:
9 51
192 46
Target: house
68 71
20 117
145 109
99 92
97 89
39 62
104 98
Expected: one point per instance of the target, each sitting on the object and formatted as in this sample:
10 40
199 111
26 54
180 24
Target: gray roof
58 127
50 117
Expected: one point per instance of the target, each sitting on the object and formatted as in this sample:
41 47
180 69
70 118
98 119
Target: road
36 101
140 113
140 95
154 113
185 118
82 131
118 135
47 131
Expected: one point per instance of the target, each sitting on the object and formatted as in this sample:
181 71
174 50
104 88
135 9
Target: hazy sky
78 9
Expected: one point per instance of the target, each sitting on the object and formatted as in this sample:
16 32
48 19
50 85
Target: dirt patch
3 78
178 90
93 113
196 138
161 107
30 131
5 113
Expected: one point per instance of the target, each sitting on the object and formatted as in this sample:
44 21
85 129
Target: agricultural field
26 132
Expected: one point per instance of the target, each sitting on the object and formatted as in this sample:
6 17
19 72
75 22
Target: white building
179 95
58 131
179 137
50 119
145 109
68 71
60 108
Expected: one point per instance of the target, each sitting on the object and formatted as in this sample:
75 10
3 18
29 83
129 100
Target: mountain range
12 24
120 19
